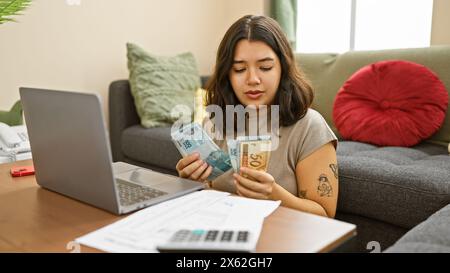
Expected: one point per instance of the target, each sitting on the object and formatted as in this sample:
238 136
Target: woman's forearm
291 201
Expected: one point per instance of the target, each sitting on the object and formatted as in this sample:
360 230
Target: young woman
256 66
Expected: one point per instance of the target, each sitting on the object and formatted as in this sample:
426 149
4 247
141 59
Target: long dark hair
294 94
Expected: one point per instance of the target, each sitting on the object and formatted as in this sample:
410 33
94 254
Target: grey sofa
385 191
430 236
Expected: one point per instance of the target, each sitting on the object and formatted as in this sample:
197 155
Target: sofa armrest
122 114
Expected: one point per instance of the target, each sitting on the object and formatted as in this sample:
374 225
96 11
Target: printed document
208 209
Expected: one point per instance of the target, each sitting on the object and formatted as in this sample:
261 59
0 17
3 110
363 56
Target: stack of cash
250 151
245 151
192 138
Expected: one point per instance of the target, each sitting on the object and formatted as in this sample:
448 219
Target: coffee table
33 219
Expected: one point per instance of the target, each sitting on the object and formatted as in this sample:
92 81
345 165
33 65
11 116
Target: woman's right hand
192 167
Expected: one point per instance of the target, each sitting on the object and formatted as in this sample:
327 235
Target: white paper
5 159
145 229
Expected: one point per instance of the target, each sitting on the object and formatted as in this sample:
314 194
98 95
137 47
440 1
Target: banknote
233 153
192 138
234 145
255 154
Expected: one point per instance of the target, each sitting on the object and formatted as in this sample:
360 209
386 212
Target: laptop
72 156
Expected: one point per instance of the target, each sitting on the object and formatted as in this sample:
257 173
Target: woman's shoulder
309 133
311 118
311 125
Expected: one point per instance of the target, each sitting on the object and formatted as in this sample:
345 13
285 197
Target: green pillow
158 84
14 116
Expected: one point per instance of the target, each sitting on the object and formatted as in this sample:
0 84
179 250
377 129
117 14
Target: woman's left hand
258 185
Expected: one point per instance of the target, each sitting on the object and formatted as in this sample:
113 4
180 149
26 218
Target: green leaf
10 8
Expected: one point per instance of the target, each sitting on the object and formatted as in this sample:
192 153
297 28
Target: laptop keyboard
131 193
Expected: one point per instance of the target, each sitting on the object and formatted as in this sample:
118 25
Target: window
323 25
339 26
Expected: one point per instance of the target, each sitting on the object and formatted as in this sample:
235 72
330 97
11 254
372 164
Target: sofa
430 236
390 193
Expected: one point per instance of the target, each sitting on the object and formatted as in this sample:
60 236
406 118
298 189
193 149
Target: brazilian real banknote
192 138
254 149
255 154
233 153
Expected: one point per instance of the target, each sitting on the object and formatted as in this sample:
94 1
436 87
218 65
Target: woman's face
255 74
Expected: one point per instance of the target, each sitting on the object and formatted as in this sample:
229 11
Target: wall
440 34
82 48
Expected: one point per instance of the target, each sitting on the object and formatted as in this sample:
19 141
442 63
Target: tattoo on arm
302 194
324 187
334 168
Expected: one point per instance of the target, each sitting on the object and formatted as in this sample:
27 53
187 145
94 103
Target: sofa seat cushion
397 185
433 235
152 146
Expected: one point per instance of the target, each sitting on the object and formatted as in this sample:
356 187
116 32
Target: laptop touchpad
152 179
146 177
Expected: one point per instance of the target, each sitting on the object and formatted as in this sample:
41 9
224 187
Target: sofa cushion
159 84
390 103
397 185
152 146
433 235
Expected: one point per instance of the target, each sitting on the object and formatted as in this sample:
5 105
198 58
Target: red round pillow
390 103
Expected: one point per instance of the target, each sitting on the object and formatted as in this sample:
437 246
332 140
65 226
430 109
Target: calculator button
180 235
183 231
226 236
178 238
242 236
198 231
194 238
211 235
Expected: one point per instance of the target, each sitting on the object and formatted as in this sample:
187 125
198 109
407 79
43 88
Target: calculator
200 240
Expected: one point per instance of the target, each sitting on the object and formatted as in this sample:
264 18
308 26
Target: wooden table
33 219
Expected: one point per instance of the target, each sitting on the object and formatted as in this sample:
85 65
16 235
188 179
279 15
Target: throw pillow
158 84
390 103
14 116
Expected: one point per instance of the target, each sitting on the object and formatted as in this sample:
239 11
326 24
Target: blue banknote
192 138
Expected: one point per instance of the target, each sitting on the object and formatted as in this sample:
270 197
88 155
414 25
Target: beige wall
82 48
440 34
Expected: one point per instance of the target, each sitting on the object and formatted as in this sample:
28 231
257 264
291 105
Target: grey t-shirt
296 142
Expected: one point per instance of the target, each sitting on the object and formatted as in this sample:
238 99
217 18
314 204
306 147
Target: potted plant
10 8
